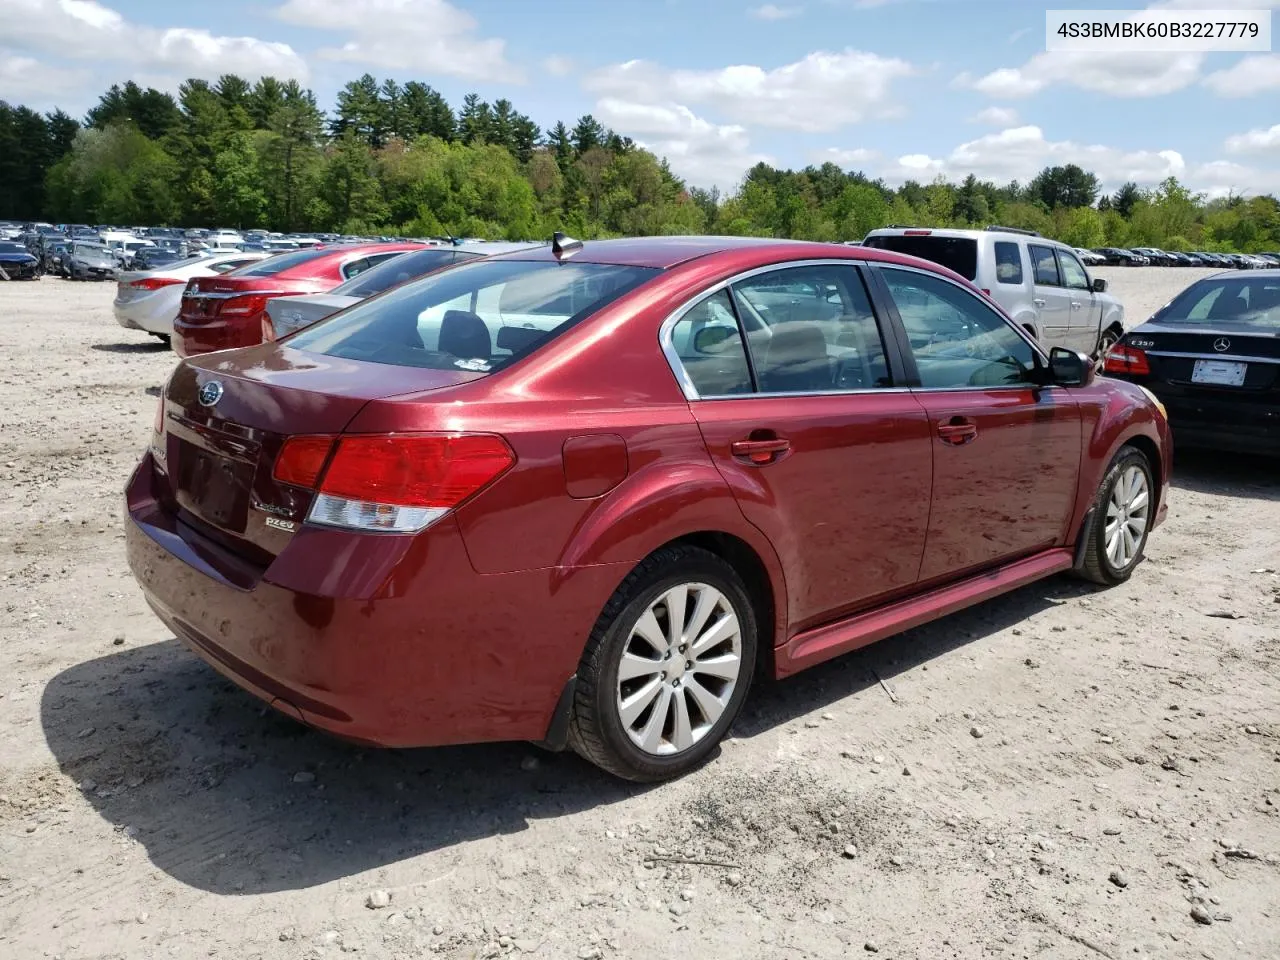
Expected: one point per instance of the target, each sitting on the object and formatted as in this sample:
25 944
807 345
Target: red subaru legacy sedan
583 494
227 311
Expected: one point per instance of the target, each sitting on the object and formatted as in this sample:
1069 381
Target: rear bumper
146 314
1244 427
394 641
216 333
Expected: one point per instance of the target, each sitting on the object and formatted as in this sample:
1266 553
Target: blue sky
898 88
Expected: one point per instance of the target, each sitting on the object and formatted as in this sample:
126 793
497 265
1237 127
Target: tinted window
1246 301
478 317
1073 275
1044 265
710 348
811 329
281 262
229 265
956 253
397 269
956 339
1008 262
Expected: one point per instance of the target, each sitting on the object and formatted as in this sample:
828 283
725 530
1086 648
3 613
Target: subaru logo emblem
210 393
1222 344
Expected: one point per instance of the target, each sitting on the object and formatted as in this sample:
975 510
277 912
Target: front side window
956 340
811 329
1073 274
1044 265
1008 262
478 317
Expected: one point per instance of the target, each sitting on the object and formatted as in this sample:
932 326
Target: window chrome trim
666 340
1232 357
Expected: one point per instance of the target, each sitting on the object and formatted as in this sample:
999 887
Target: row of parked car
1155 257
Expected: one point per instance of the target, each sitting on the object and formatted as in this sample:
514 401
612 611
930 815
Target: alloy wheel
1105 343
1128 510
679 668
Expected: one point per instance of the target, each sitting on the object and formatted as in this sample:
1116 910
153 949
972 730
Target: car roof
666 252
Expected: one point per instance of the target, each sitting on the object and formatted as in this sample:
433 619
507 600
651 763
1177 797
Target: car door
1086 312
808 421
1051 300
1006 452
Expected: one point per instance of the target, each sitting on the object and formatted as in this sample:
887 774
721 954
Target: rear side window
1008 262
1045 265
478 317
1073 275
710 348
396 270
281 262
955 253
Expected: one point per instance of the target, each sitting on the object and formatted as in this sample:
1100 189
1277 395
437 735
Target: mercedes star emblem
210 393
1222 344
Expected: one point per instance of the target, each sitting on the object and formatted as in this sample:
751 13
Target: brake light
397 483
1127 360
301 459
916 233
245 305
154 283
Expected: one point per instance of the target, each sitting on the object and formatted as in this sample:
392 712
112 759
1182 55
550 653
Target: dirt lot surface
1057 773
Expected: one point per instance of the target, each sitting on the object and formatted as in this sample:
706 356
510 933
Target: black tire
1097 566
596 731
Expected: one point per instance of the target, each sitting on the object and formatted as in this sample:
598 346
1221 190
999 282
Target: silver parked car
1039 282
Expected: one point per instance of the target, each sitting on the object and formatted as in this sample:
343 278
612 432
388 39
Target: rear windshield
1230 300
956 253
280 263
399 269
480 316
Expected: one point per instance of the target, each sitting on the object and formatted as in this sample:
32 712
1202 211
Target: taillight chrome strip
1234 357
231 294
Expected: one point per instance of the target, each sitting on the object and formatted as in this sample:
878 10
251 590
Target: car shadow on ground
144 346
1226 474
228 796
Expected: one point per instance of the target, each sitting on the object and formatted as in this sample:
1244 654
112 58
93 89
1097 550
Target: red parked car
226 311
582 494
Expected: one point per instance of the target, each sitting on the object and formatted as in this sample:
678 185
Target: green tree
237 183
154 113
1065 186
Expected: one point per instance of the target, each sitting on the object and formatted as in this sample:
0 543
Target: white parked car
1039 282
149 300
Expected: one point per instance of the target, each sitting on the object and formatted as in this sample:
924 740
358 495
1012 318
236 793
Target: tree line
399 159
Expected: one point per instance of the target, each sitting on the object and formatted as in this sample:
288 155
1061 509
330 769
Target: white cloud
996 116
1249 75
821 92
87 30
24 80
1256 141
1117 74
405 35
704 153
558 66
1019 153
858 158
773 12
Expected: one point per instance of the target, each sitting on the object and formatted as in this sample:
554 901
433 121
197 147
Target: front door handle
1039 301
760 452
957 431
1075 304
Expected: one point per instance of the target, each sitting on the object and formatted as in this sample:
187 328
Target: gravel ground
1057 773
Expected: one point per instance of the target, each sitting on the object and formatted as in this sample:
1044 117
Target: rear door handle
957 431
1039 301
760 452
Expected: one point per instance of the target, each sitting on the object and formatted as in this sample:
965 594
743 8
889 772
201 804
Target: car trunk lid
288 314
1211 357
226 417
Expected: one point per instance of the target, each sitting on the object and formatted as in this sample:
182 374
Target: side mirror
708 338
1067 368
1099 285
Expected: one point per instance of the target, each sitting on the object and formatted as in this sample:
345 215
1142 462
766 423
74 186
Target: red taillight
154 283
415 471
301 460
916 233
1127 360
244 305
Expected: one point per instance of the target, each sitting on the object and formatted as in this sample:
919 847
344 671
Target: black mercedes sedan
1212 357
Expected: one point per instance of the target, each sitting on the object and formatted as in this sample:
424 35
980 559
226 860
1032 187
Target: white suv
1039 282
